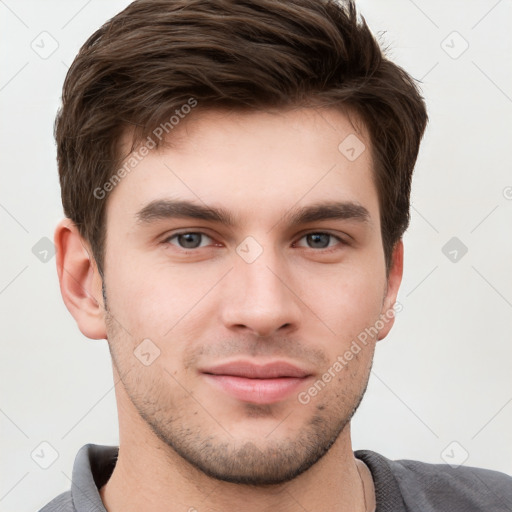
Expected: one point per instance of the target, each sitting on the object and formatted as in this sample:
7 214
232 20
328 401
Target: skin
185 444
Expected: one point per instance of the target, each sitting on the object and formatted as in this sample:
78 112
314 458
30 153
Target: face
241 264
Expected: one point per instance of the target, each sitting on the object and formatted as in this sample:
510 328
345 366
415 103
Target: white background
444 372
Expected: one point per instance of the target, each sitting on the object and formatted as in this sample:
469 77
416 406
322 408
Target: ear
79 279
393 284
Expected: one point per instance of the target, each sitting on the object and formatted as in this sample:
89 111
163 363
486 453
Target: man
236 178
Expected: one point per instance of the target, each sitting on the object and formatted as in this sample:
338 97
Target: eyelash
326 249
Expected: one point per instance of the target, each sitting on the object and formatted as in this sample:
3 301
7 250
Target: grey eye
188 240
319 240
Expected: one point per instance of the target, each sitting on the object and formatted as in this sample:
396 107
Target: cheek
349 301
157 296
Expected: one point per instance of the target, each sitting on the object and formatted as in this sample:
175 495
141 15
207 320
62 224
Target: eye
188 240
320 240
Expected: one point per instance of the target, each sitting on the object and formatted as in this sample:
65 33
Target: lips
261 384
249 370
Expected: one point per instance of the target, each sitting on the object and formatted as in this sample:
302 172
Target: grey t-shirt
400 486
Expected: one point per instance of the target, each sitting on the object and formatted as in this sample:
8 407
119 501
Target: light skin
185 443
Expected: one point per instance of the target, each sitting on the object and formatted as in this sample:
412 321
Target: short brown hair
151 58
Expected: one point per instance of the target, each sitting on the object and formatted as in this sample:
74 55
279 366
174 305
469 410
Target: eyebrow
162 209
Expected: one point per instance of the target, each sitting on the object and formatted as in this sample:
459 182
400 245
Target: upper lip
272 370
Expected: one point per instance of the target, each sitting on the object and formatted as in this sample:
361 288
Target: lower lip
256 391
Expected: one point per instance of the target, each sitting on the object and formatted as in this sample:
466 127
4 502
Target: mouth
258 384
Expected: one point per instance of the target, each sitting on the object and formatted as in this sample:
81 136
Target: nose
259 297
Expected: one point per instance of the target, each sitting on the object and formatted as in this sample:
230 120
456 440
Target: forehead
252 163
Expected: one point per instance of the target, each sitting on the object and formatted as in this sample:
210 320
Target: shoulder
62 503
92 468
435 487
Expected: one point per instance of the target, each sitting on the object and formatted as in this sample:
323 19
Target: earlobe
393 285
79 279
